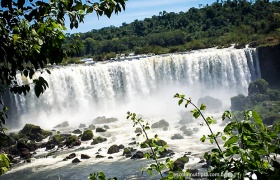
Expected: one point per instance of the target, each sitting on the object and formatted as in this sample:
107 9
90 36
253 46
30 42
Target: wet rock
161 124
24 153
72 141
186 117
177 136
77 131
87 135
100 129
180 163
33 132
195 129
188 132
104 120
62 125
91 127
138 155
166 153
99 156
82 125
121 146
71 156
76 160
110 157
113 149
132 143
212 104
50 146
84 156
98 140
157 142
205 166
138 130
202 161
106 127
127 152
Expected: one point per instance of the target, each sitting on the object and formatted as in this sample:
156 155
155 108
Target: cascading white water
80 93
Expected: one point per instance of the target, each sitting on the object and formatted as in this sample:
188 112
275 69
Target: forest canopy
219 24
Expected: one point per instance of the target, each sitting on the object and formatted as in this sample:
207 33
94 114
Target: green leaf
202 107
257 118
180 101
203 138
231 140
224 138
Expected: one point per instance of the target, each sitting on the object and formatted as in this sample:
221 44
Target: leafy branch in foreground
251 147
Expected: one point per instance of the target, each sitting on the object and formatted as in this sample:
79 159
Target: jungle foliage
219 24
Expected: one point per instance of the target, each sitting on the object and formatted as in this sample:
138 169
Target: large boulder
77 131
85 156
82 125
212 104
25 153
57 139
113 149
62 125
104 120
87 135
258 86
161 124
238 103
177 136
33 132
127 152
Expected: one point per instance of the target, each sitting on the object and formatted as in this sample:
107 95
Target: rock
165 128
106 127
258 86
21 144
238 103
127 151
72 141
138 130
180 163
113 149
71 156
177 136
82 125
212 104
188 132
195 129
98 140
132 143
24 153
76 160
87 135
50 146
104 120
33 132
100 129
77 131
84 156
62 125
99 156
110 157
121 146
202 161
166 153
161 124
205 166
186 117
92 127
138 155
157 142
57 139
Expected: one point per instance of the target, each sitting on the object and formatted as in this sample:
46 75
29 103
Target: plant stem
206 123
150 145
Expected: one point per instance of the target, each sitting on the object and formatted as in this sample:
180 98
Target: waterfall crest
83 92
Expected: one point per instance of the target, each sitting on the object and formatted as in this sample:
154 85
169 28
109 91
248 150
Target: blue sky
139 9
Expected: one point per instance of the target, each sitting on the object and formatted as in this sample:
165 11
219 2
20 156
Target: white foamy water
146 86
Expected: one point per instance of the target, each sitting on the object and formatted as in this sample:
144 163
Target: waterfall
81 92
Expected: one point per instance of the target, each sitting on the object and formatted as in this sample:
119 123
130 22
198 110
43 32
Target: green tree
32 34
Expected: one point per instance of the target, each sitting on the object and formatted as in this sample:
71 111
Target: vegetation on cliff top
219 24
